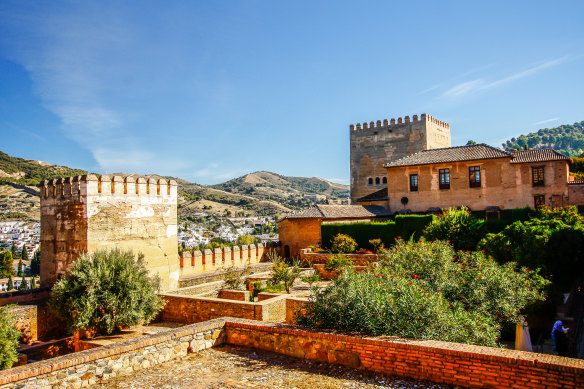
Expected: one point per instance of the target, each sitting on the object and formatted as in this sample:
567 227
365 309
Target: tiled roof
450 154
339 212
576 182
380 195
541 155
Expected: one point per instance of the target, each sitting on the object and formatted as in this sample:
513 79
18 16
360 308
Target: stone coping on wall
107 352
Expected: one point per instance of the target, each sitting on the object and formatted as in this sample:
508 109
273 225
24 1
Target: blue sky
211 90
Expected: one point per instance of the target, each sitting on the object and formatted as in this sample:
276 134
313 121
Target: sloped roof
540 155
450 154
380 195
339 212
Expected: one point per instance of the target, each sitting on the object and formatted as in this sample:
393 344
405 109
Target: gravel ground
238 367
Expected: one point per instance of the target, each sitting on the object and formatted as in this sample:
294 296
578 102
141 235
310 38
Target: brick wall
25 296
190 309
322 258
239 295
37 322
294 305
297 234
441 362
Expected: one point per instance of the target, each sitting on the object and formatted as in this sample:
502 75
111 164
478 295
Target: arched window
370 181
384 180
377 181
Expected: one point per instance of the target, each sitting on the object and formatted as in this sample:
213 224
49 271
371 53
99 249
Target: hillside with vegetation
568 139
255 194
31 172
291 192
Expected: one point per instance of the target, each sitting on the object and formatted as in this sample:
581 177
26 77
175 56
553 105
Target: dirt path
238 367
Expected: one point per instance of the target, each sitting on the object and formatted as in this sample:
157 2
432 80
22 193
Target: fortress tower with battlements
85 213
376 143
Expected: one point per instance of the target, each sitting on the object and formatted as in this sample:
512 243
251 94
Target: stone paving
237 368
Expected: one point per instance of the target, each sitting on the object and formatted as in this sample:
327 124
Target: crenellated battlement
116 185
391 123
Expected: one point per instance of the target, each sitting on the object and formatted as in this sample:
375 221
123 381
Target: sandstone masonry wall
376 143
210 261
85 214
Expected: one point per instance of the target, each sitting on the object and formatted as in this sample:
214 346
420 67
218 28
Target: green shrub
9 336
343 244
427 291
234 278
552 240
284 273
311 279
106 291
335 262
458 227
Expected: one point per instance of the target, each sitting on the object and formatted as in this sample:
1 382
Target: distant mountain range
568 139
259 193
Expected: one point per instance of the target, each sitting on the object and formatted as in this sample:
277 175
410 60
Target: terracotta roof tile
539 155
450 154
380 195
339 212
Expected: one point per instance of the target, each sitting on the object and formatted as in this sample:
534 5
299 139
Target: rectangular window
444 178
474 176
537 176
413 182
539 201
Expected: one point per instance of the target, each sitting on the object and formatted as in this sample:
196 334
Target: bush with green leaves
9 337
106 291
235 279
552 240
343 244
458 227
284 273
426 290
337 261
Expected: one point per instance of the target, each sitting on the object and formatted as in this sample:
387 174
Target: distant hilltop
259 193
567 139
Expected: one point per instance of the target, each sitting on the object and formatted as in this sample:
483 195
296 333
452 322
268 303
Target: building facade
376 143
479 177
84 214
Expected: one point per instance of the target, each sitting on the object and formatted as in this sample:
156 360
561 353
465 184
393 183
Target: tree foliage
6 268
458 227
9 337
426 290
567 139
552 240
343 244
106 291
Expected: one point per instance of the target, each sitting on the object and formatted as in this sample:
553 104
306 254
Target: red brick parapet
440 362
306 255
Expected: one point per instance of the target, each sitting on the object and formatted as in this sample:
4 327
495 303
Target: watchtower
85 213
376 143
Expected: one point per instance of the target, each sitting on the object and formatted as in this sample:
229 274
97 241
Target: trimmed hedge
404 226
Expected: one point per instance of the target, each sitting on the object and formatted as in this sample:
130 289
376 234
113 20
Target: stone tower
83 214
376 143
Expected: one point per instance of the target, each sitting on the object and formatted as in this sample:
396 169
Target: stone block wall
376 143
87 368
297 234
85 214
238 295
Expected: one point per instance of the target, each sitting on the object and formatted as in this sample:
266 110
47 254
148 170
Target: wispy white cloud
546 121
480 84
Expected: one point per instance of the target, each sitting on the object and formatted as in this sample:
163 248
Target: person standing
560 337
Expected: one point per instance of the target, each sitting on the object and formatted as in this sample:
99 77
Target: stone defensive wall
86 213
212 260
396 123
440 362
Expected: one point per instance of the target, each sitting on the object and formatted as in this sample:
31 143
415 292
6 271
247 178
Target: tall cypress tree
24 253
19 272
10 285
23 284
